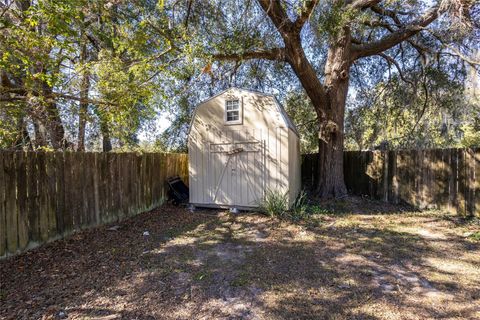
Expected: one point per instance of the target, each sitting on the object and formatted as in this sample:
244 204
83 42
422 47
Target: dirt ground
354 260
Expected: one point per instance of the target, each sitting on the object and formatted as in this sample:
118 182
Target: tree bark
106 141
331 182
53 121
83 104
40 134
329 102
23 138
331 134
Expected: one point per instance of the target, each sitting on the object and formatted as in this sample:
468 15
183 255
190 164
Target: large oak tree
347 31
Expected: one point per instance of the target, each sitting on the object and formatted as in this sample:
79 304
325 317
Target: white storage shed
241 143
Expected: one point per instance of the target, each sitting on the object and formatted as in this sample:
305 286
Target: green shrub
275 204
299 208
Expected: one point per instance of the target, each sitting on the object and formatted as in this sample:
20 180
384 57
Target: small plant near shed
275 204
299 208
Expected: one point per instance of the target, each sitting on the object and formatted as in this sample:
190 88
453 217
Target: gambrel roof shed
242 143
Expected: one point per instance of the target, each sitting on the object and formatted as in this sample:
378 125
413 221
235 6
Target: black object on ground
178 191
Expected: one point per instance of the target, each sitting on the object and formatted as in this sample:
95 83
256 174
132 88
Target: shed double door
236 173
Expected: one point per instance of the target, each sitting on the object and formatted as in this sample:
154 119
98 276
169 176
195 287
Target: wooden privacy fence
439 178
44 196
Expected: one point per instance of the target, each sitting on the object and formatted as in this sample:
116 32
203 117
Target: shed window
232 111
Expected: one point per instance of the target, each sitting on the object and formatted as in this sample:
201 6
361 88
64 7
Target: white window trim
240 112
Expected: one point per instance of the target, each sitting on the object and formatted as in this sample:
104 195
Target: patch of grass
475 236
241 280
337 207
275 204
317 209
202 275
299 210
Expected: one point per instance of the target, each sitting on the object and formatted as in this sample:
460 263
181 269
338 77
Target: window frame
240 112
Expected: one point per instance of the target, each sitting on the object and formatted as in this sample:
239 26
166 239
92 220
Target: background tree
302 113
76 69
395 114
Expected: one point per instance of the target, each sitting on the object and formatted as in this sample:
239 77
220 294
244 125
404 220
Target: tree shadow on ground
239 267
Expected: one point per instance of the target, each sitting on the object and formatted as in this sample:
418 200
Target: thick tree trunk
331 133
331 181
329 102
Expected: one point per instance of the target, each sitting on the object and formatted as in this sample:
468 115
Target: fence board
96 189
3 229
440 178
60 192
90 187
45 195
10 201
392 184
476 188
462 182
51 170
22 217
32 198
83 181
103 185
112 192
161 177
69 185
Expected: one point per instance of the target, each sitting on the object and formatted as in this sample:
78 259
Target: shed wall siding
267 170
294 166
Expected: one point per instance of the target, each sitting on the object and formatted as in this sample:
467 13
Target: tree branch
377 23
389 13
391 61
278 16
274 54
304 15
75 98
362 4
15 94
456 52
391 40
